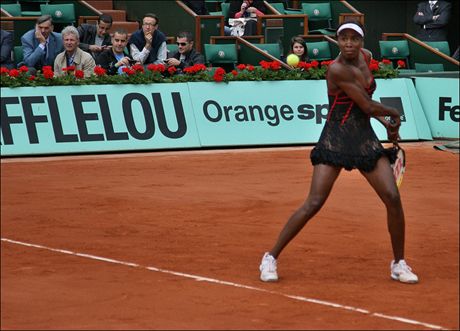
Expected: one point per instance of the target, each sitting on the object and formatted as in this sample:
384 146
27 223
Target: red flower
4 70
156 67
314 64
31 78
69 68
138 68
79 74
241 66
401 64
386 61
99 71
250 67
172 70
14 73
219 74
128 71
275 65
200 67
264 64
23 69
373 67
234 73
304 65
47 68
48 74
161 68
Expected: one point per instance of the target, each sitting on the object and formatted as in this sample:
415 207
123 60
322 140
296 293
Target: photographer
248 10
116 58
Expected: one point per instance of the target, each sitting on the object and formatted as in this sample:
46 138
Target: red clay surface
213 214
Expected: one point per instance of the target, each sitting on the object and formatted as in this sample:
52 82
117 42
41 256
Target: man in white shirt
148 45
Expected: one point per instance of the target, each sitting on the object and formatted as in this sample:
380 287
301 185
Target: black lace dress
347 139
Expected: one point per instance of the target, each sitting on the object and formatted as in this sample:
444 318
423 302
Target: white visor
351 26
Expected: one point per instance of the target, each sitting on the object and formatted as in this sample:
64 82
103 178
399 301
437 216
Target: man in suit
96 38
432 17
41 45
6 39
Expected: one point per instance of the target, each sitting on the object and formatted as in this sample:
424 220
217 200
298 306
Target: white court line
221 282
71 157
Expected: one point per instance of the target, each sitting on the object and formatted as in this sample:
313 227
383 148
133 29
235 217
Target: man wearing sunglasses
148 44
186 55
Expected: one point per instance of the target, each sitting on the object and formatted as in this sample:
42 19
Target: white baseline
226 283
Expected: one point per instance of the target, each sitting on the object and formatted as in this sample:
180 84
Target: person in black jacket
432 17
6 42
96 38
186 55
116 58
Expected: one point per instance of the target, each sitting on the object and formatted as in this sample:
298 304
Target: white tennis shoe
268 269
402 272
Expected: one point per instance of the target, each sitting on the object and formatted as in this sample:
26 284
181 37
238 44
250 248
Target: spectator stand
321 47
422 53
204 26
284 23
248 52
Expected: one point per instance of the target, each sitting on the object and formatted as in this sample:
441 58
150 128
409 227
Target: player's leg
382 180
323 179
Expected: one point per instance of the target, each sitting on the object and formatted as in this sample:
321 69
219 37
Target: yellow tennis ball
293 60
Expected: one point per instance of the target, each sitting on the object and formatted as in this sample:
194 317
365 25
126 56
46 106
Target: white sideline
221 282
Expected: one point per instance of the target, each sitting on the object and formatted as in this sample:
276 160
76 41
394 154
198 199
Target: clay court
173 240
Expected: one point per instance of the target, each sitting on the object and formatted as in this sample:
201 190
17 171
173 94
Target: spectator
186 55
247 9
148 45
73 56
432 17
198 6
96 38
116 58
299 48
41 45
6 39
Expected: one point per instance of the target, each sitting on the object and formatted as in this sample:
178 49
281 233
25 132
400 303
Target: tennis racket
399 167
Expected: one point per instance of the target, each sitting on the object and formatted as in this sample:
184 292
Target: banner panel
70 119
76 119
440 102
284 112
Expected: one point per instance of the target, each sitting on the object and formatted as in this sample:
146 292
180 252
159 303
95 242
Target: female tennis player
349 142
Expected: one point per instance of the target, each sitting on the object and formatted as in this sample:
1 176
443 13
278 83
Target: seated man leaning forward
114 59
148 45
73 56
186 55
41 45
